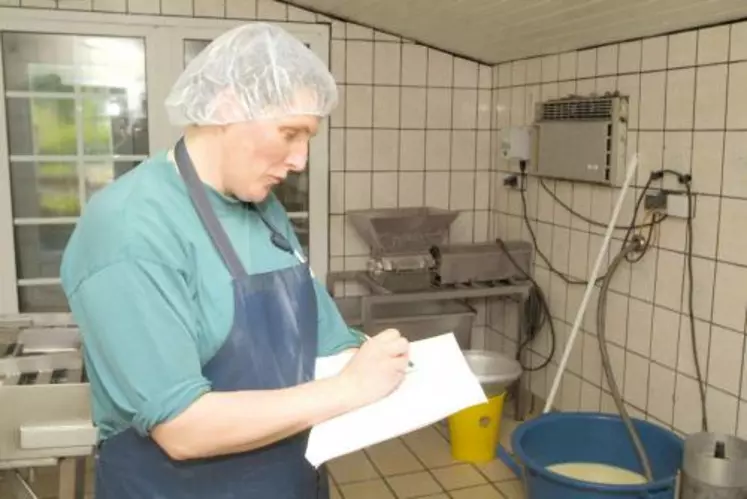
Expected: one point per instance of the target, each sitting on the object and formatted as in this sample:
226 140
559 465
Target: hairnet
252 72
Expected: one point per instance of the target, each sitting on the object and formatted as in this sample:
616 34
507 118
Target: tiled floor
419 465
416 466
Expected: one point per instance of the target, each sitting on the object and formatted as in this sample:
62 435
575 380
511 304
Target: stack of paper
440 384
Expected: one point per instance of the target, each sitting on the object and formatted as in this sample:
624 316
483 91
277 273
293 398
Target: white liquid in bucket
598 473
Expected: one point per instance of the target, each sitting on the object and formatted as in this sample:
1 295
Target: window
75 108
82 103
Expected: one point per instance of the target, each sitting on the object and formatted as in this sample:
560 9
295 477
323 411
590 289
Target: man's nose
297 162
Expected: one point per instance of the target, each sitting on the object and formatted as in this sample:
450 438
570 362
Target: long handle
590 286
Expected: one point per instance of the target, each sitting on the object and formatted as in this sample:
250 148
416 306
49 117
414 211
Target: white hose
632 167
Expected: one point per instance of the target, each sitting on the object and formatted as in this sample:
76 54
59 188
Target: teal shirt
153 299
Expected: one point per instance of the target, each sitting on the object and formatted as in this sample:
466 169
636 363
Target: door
81 103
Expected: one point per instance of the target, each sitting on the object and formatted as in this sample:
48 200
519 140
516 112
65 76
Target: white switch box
516 143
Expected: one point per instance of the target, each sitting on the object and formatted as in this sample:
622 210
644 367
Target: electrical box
581 139
516 143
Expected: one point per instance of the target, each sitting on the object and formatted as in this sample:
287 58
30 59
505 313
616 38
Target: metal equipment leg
18 486
66 481
80 477
522 398
323 483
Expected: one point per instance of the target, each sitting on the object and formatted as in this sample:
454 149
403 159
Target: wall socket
671 203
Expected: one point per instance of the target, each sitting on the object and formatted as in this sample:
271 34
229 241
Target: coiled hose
634 247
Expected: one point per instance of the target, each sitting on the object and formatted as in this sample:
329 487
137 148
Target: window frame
164 42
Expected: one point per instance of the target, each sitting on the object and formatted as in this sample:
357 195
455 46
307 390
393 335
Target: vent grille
577 109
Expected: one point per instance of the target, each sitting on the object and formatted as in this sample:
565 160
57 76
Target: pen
409 363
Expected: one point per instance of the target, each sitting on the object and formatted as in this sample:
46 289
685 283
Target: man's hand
378 367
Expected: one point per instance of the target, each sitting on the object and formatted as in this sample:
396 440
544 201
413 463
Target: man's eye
289 136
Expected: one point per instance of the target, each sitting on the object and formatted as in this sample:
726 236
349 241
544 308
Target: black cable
686 180
536 310
589 220
690 290
633 252
570 279
638 255
567 279
536 315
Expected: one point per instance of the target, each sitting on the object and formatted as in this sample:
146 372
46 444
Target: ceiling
493 31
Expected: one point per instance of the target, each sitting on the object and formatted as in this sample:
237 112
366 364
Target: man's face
259 155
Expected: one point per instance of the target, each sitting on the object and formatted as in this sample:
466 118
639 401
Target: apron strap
205 211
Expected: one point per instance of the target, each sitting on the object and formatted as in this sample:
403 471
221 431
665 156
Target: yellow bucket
475 431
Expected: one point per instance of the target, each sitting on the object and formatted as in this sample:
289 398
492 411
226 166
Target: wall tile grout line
450 141
373 124
663 128
344 147
425 119
716 266
400 48
633 73
682 317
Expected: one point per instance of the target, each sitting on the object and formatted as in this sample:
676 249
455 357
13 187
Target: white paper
440 384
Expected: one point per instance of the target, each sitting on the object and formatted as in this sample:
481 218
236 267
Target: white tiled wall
689 113
414 130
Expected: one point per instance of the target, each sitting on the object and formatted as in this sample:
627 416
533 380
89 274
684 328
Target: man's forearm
221 423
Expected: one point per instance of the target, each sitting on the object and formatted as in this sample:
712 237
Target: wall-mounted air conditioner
581 139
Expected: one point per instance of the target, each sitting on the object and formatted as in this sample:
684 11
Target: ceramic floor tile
511 490
373 489
507 428
481 492
458 477
496 471
435 496
353 467
414 485
443 428
393 458
334 493
430 446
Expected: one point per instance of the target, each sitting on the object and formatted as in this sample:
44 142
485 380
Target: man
200 319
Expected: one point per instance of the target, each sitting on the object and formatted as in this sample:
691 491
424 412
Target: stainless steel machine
45 418
408 251
420 285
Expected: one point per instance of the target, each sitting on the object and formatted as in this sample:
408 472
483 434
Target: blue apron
272 345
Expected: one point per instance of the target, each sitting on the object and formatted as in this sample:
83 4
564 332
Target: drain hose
606 364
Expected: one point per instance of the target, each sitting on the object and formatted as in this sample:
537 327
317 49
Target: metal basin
494 370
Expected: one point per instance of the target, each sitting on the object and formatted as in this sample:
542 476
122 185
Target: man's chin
255 196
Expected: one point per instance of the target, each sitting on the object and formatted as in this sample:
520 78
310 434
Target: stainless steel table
45 420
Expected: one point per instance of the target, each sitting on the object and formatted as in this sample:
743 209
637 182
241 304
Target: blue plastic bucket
578 437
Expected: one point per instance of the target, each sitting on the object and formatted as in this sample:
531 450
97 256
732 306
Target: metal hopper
392 231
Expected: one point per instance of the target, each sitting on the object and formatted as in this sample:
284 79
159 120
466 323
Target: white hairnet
256 71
